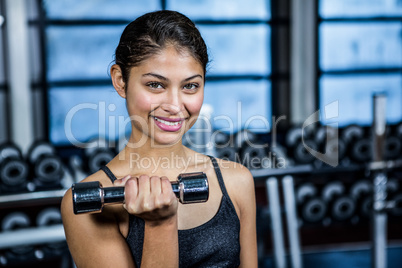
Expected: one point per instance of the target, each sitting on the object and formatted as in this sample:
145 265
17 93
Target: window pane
239 104
359 8
80 113
222 9
358 45
81 52
99 9
354 94
238 49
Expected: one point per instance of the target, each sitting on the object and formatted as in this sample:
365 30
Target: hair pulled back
150 33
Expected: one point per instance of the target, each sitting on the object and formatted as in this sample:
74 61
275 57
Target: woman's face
164 96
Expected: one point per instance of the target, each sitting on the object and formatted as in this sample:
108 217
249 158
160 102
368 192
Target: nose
173 103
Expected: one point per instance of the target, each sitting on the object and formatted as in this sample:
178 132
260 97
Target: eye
155 85
191 86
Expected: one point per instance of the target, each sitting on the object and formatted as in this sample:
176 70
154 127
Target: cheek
139 102
194 105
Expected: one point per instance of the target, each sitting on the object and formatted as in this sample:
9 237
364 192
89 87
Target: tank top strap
219 175
109 173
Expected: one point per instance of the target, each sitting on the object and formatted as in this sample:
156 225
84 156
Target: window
360 54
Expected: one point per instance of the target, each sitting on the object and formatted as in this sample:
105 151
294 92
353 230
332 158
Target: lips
168 124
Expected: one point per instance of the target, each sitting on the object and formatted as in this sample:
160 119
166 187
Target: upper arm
248 233
94 240
240 184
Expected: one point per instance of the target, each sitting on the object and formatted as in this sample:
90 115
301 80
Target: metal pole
291 217
379 231
276 222
32 236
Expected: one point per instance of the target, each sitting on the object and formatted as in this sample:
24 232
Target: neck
154 159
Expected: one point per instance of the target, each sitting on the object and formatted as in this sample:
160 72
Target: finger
144 192
131 195
156 187
167 192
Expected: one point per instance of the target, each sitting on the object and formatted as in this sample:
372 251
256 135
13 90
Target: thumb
122 181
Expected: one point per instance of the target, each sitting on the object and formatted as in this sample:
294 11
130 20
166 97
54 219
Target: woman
160 70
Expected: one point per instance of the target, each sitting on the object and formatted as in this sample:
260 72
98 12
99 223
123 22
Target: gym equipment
312 208
14 221
243 138
97 154
47 217
393 142
358 145
297 139
222 139
227 153
91 197
341 206
361 191
13 169
329 143
47 167
252 156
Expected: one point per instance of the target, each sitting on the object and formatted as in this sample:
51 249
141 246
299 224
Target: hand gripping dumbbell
91 196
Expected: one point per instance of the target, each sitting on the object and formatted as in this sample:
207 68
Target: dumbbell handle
91 196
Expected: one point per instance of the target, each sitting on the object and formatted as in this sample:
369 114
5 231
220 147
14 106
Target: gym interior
306 94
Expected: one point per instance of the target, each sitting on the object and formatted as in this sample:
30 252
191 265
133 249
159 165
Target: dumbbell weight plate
332 189
305 190
300 153
40 148
13 172
227 153
393 147
313 210
352 132
343 208
8 150
15 221
99 158
49 168
361 151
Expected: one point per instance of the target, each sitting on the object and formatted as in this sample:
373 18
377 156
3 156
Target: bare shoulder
235 173
239 183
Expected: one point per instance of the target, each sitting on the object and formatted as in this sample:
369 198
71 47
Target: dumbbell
13 169
46 165
47 217
359 146
393 142
227 153
15 221
328 142
252 156
91 196
296 141
311 207
97 154
361 191
341 207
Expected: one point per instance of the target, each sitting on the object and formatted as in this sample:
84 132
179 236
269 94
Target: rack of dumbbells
333 204
31 189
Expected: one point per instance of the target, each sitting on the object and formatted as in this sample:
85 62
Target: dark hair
152 32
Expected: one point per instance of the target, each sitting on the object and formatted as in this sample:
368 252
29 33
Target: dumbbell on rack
13 169
361 191
91 196
47 167
358 144
341 207
47 217
14 221
297 139
328 142
97 154
312 208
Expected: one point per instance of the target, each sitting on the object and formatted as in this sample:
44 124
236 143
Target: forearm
161 245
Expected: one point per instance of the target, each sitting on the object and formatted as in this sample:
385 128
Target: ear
117 80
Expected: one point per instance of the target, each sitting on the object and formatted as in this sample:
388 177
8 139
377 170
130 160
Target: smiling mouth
168 123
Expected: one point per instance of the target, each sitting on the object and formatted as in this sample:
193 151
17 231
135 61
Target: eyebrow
166 79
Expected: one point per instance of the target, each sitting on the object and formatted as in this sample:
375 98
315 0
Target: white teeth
167 122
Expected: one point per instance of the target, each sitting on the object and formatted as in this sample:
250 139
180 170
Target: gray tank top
215 243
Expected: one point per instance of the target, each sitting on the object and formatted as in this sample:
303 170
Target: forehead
171 58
